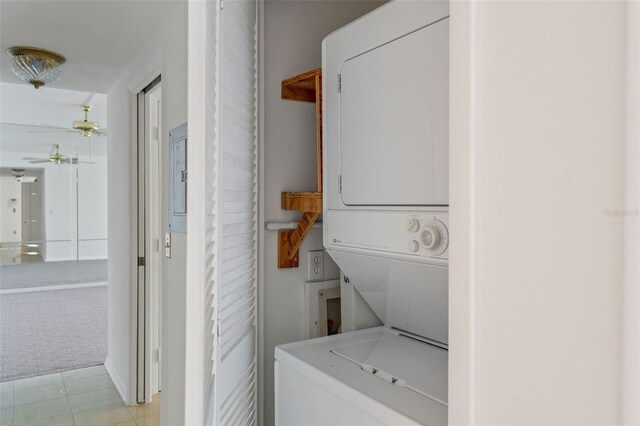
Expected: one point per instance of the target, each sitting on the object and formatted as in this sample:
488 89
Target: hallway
77 397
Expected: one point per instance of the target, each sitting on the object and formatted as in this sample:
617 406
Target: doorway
21 217
149 293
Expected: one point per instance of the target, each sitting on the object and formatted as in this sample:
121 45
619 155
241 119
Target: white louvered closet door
230 385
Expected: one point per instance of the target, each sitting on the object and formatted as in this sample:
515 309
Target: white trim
474 140
261 223
463 204
196 190
118 382
631 286
53 287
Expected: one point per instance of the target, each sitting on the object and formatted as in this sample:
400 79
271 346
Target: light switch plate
167 245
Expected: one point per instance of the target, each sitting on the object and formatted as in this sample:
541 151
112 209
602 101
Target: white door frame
196 194
148 222
155 145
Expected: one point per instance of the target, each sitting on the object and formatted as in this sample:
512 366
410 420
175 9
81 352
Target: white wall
631 330
537 168
174 307
92 209
293 33
167 56
10 211
120 235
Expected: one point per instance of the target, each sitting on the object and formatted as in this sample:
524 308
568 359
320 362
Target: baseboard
118 382
52 287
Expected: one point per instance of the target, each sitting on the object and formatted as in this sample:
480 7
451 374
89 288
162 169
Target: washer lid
408 296
315 360
404 362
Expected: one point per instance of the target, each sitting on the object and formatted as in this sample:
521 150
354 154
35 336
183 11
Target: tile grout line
13 406
66 391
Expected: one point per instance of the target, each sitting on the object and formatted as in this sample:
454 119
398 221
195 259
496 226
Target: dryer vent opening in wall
329 314
323 308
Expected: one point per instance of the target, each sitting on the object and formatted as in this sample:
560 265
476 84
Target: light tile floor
84 397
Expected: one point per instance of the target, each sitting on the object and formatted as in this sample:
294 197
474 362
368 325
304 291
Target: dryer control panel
418 236
431 236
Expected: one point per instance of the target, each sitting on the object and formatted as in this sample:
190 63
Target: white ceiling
26 116
99 38
29 140
22 104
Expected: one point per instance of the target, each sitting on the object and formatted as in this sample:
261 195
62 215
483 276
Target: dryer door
394 121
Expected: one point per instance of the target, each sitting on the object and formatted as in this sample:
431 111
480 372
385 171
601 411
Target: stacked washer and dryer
386 156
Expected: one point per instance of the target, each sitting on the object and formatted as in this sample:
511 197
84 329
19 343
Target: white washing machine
385 123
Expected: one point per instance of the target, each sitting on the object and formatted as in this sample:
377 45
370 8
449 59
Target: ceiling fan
84 127
20 177
56 157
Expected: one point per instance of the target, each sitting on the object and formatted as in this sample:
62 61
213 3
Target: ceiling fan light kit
36 66
56 157
86 127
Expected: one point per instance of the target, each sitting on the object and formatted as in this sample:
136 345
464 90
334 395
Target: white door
231 341
149 211
392 120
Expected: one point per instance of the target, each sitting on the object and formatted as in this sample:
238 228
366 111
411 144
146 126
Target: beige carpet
50 331
52 273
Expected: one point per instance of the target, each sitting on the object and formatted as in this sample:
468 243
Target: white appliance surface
410 296
385 110
386 161
341 369
394 120
389 233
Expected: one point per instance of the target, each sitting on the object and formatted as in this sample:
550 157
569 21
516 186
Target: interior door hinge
158 355
221 4
218 327
340 184
339 83
140 261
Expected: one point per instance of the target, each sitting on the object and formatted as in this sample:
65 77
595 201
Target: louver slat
234 217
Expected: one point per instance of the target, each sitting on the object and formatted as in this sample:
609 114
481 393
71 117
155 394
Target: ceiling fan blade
32 158
47 131
51 126
39 161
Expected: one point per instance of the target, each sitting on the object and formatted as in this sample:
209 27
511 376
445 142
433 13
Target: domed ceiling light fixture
36 66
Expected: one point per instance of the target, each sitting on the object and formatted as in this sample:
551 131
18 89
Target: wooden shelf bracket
305 87
289 241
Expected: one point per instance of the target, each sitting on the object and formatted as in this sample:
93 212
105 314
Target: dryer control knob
430 237
413 225
414 246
